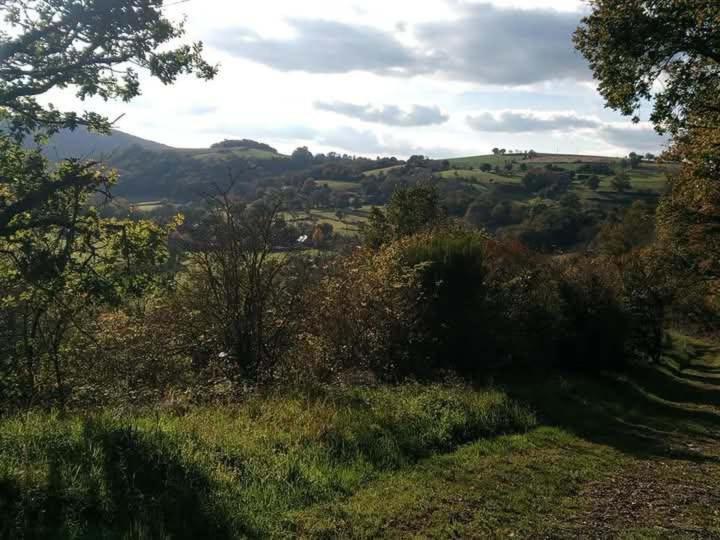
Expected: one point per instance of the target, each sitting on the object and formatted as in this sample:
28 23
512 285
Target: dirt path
665 498
628 457
677 496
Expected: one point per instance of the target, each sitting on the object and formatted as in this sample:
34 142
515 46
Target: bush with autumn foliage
454 300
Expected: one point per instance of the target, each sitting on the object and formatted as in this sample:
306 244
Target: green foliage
409 211
593 182
689 214
454 320
358 318
635 160
649 288
227 472
453 300
546 180
621 182
246 144
564 314
631 47
59 261
89 45
592 334
240 297
552 226
302 155
632 44
596 168
413 209
635 228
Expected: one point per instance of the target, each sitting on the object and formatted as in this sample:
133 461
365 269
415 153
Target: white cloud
400 77
484 44
638 138
528 122
391 115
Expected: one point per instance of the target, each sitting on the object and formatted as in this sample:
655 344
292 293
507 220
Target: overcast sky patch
485 44
320 46
641 138
390 115
525 122
504 46
350 76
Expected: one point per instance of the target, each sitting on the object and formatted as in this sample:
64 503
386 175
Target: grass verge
227 472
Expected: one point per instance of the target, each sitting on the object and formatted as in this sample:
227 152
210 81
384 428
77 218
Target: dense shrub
455 321
594 329
361 317
550 182
455 300
648 288
438 301
596 168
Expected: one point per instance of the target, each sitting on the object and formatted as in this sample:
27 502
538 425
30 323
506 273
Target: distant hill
82 143
183 173
247 144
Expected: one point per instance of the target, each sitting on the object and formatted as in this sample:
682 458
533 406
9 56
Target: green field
229 154
476 161
635 456
648 180
349 225
480 177
382 170
339 185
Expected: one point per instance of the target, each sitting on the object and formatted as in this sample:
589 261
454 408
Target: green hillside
85 144
183 174
505 174
492 192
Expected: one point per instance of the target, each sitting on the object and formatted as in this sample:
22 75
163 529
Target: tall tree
633 44
95 47
243 295
667 52
58 259
621 182
410 210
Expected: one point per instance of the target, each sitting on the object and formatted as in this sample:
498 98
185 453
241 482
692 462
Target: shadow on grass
674 387
694 376
617 414
112 483
644 412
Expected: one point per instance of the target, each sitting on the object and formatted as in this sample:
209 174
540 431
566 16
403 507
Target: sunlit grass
230 471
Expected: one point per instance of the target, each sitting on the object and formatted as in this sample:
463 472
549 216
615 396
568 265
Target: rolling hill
150 171
86 144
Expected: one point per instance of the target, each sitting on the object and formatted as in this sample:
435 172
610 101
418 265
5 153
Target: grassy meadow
228 471
348 225
636 456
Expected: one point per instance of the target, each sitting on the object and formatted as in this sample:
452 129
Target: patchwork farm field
348 224
648 180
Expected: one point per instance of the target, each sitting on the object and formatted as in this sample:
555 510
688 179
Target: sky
441 78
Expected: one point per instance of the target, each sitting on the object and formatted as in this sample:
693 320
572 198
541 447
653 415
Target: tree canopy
96 47
59 260
633 45
667 52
